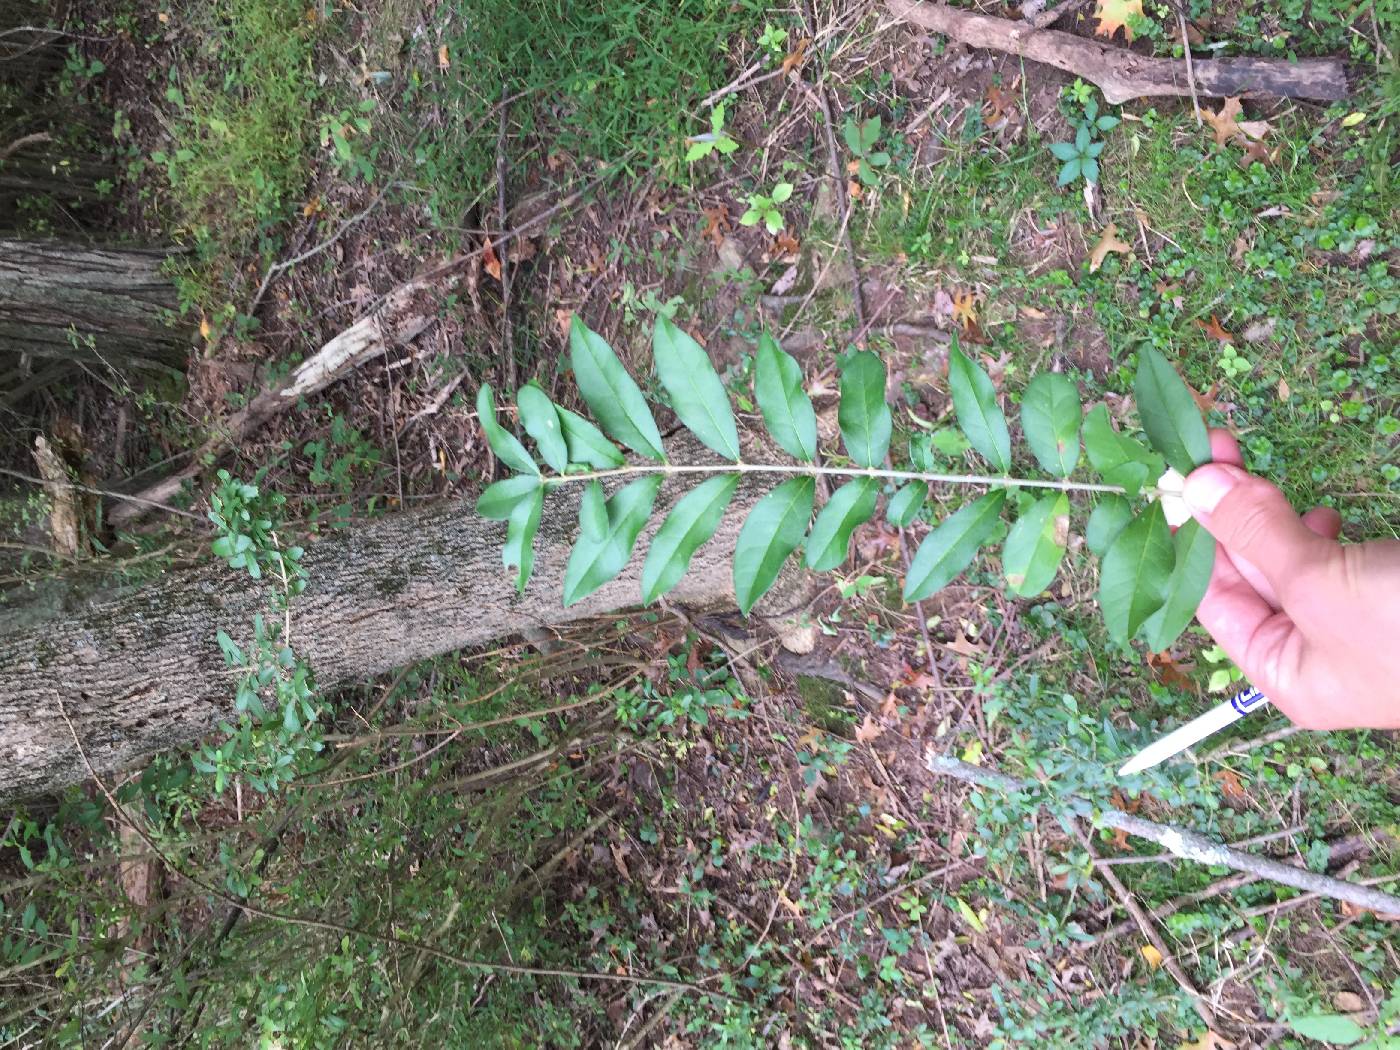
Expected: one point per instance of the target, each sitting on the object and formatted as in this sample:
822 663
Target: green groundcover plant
1150 581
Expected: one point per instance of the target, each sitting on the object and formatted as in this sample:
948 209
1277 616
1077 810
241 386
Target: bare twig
1190 67
1185 844
20 143
138 500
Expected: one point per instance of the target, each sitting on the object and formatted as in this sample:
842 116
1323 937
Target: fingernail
1206 486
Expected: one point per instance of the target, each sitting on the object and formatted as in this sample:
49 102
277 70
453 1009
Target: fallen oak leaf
796 56
868 730
1109 242
1209 1041
1113 15
1224 121
965 308
786 246
444 60
1213 329
1230 785
716 224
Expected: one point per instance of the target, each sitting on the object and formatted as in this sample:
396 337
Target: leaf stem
811 469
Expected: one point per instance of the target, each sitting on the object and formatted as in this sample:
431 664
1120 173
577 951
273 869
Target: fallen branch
1123 75
1186 844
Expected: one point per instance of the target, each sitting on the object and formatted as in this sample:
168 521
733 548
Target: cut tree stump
1123 75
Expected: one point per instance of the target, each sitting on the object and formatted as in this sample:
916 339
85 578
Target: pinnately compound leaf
587 444
1195 558
691 522
1050 417
1134 573
1105 523
541 421
519 551
864 416
786 408
611 393
1169 413
771 532
979 415
697 395
850 505
1035 545
499 500
950 548
593 562
593 512
1121 460
504 444
904 505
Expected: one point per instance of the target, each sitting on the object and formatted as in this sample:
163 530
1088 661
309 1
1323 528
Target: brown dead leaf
1213 329
868 730
1113 15
312 207
1109 242
1224 122
1284 392
564 321
489 262
1205 400
1349 909
854 190
444 60
619 861
999 101
786 247
1231 786
965 308
1348 1002
796 56
716 224
1152 955
204 329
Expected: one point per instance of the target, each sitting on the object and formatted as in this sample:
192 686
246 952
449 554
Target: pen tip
1136 765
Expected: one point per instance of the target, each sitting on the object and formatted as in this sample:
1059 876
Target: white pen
1196 730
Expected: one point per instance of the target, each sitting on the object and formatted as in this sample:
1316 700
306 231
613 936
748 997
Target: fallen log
140 671
1122 75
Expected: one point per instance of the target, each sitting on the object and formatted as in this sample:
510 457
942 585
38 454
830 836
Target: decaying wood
140 671
51 292
64 513
1123 75
401 316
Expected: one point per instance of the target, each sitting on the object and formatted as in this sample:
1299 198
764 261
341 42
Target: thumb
1254 522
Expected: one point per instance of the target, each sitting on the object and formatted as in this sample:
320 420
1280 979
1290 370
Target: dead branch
1186 844
1122 74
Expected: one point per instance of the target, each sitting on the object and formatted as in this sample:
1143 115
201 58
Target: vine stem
810 469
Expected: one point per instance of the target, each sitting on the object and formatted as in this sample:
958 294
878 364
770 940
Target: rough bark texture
119 298
1123 75
140 672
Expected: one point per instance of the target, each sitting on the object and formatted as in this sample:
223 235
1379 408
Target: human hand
1314 624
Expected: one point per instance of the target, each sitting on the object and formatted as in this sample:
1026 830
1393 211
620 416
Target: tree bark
139 672
119 299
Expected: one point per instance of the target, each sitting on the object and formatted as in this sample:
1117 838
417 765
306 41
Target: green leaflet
1050 417
586 443
1169 414
1035 545
787 410
1195 558
519 551
1120 459
850 505
1133 574
541 421
691 522
594 561
593 512
498 500
697 395
904 505
504 444
979 415
611 393
864 416
771 532
950 548
1106 522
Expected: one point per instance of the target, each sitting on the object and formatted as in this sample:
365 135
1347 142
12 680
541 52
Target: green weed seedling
716 140
861 140
765 209
1080 158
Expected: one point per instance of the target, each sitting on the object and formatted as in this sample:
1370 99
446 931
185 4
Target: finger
1224 448
1252 520
1324 521
1263 642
